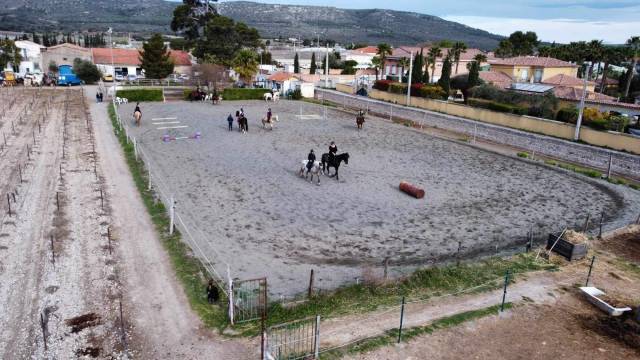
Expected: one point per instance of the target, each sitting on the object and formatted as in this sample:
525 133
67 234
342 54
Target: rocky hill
144 16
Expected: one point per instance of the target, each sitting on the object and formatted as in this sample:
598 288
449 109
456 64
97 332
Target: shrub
141 94
536 105
382 85
396 88
433 92
523 155
296 94
568 115
244 94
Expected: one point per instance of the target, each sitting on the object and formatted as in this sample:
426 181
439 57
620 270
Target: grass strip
423 284
390 337
188 269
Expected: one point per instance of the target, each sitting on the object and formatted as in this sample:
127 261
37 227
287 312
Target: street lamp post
576 135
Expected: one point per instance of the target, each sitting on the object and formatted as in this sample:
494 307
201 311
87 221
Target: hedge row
244 94
496 106
141 94
417 90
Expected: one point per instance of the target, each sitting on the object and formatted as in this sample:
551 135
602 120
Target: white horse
316 170
275 97
121 101
274 119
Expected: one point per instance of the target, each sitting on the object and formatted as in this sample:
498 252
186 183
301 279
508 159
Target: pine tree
445 79
296 64
313 64
36 38
155 58
68 38
45 40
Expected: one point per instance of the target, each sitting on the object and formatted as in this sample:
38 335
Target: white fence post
135 147
317 338
230 282
172 212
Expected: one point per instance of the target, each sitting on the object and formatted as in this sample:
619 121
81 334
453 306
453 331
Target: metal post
401 320
171 215
386 268
609 167
310 292
135 147
9 203
316 346
53 252
600 225
326 69
504 294
230 282
149 177
586 223
409 79
391 113
590 268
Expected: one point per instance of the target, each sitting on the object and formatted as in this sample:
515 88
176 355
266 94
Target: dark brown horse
335 163
360 121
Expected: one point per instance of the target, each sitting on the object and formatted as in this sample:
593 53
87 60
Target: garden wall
597 157
553 128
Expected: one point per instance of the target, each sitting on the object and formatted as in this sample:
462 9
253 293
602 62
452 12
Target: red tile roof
132 56
573 94
496 78
405 51
368 50
565 80
281 76
532 61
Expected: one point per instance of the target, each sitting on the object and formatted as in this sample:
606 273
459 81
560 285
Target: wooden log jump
411 190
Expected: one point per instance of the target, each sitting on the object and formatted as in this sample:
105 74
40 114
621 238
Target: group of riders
333 150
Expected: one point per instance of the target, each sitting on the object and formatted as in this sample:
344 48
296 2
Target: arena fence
249 300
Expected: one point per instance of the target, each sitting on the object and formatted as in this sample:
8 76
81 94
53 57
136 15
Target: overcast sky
613 21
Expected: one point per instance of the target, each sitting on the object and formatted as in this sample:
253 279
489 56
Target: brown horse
360 121
138 116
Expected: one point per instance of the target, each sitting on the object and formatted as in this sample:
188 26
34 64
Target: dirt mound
82 322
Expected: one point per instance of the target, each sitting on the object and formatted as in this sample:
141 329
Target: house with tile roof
392 69
126 62
533 69
496 78
569 81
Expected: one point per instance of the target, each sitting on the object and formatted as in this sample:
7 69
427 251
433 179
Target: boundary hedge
141 94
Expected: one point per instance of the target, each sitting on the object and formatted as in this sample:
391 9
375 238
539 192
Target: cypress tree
416 72
313 64
474 74
45 40
296 64
155 58
445 79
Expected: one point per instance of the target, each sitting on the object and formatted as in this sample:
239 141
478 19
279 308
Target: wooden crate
568 250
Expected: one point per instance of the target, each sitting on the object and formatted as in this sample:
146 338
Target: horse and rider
328 160
137 114
360 119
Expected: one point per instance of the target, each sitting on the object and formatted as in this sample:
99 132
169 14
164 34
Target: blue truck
66 76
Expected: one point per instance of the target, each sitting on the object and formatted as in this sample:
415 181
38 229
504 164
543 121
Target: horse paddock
245 205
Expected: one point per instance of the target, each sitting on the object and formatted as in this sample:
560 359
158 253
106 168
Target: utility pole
326 68
113 68
576 135
409 80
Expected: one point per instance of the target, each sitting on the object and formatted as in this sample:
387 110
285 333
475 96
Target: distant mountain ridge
370 26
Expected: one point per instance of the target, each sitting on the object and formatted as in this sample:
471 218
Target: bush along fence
134 95
620 163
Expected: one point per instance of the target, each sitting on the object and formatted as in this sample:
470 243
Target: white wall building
31 57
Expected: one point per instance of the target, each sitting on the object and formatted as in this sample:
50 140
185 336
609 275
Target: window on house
537 75
524 75
393 69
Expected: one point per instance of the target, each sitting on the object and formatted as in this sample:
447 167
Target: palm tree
457 50
610 55
403 63
432 56
246 64
480 58
384 50
376 63
633 46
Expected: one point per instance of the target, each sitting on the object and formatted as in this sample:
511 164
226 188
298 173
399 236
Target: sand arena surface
249 209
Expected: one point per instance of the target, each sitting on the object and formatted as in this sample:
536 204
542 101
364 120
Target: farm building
127 61
64 54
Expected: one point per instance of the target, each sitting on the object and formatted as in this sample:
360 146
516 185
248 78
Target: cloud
558 30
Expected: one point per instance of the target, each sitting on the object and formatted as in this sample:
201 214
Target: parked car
119 77
36 78
107 78
132 77
175 78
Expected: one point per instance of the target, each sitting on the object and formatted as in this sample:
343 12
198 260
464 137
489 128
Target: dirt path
538 287
163 324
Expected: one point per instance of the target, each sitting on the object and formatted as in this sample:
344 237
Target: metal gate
249 300
296 340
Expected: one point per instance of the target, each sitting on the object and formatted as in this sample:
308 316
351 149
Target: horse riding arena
243 208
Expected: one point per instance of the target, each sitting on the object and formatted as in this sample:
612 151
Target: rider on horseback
269 115
333 150
137 109
311 160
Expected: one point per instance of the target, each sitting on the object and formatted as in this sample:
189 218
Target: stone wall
621 163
